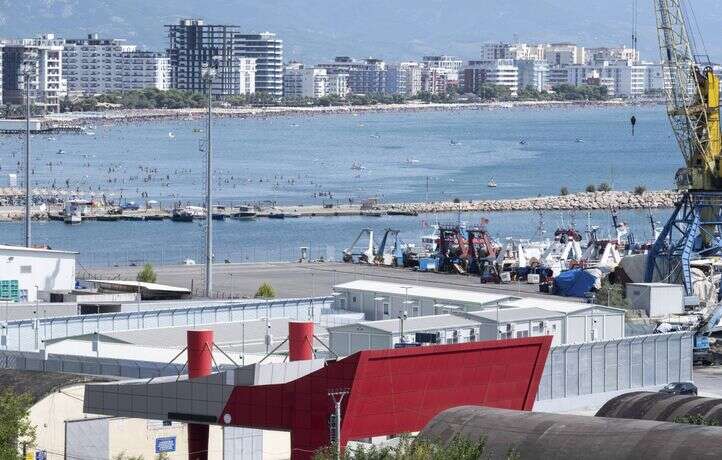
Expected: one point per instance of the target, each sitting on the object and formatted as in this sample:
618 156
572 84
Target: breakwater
586 201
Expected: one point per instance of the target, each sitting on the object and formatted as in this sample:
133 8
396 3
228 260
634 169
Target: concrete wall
49 415
632 362
48 271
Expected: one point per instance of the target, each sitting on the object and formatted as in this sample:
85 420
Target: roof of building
556 305
38 384
510 315
458 295
139 284
4 247
412 324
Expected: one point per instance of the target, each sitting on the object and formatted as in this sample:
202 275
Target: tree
564 191
265 291
604 187
15 427
640 189
611 295
147 275
488 92
591 188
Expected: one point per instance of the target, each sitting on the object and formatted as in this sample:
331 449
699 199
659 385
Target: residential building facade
145 69
533 74
451 66
498 72
403 78
564 54
40 60
193 45
267 50
300 82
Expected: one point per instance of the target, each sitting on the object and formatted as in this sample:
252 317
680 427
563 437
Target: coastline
134 115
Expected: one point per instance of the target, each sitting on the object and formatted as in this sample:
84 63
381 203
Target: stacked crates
9 290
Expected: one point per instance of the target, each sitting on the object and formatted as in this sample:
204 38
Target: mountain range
317 30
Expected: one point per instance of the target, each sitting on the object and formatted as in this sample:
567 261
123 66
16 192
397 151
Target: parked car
680 388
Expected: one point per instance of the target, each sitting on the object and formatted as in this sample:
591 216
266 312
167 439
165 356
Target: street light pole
208 74
26 75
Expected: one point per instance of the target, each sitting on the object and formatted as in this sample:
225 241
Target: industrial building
31 274
347 339
580 322
381 300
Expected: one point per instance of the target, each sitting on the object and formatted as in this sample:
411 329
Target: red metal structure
200 364
392 391
300 340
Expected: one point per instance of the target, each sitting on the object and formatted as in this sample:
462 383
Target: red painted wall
393 391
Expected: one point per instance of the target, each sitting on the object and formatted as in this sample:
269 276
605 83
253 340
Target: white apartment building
300 82
337 85
563 54
558 75
403 78
499 72
620 53
40 60
450 66
533 73
521 51
96 65
622 78
247 75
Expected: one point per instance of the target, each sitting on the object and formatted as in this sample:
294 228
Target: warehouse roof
458 295
412 324
509 315
4 247
556 305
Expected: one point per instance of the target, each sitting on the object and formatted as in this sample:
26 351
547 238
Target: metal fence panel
633 362
25 335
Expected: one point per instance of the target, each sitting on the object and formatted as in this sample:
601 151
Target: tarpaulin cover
573 283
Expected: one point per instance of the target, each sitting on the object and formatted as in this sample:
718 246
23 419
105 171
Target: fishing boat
72 213
491 183
187 214
245 213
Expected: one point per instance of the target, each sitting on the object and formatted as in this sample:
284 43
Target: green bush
265 291
15 426
591 188
408 448
147 275
640 189
604 187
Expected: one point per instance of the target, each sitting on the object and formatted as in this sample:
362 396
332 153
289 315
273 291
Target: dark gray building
192 44
267 50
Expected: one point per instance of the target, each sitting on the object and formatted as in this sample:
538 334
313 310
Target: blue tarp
573 283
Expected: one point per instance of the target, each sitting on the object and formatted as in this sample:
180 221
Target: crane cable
633 118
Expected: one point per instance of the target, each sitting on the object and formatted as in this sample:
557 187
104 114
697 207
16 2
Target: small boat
90 133
73 218
245 213
171 135
276 215
356 166
453 142
491 183
412 161
181 215
218 216
189 262
579 140
60 152
522 141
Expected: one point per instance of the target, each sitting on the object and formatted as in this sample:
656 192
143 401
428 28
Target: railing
29 334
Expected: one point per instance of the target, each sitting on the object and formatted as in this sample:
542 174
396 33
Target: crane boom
692 100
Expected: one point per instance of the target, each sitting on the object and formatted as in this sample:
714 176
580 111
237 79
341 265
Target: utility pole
209 72
26 76
337 398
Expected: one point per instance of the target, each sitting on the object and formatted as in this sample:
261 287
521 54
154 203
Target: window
521 334
472 335
26 269
353 299
386 308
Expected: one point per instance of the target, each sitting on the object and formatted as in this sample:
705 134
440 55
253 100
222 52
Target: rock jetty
573 202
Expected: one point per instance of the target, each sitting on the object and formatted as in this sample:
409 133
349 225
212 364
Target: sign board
165 444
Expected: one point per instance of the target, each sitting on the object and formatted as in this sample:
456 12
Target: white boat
491 183
171 135
412 161
73 213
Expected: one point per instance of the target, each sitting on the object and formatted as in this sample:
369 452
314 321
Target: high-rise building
533 74
40 59
337 84
267 50
193 45
368 78
517 51
622 78
96 65
497 72
403 78
436 80
558 75
247 75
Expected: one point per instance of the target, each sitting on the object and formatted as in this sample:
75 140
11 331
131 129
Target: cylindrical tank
200 351
200 364
644 405
537 435
300 340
